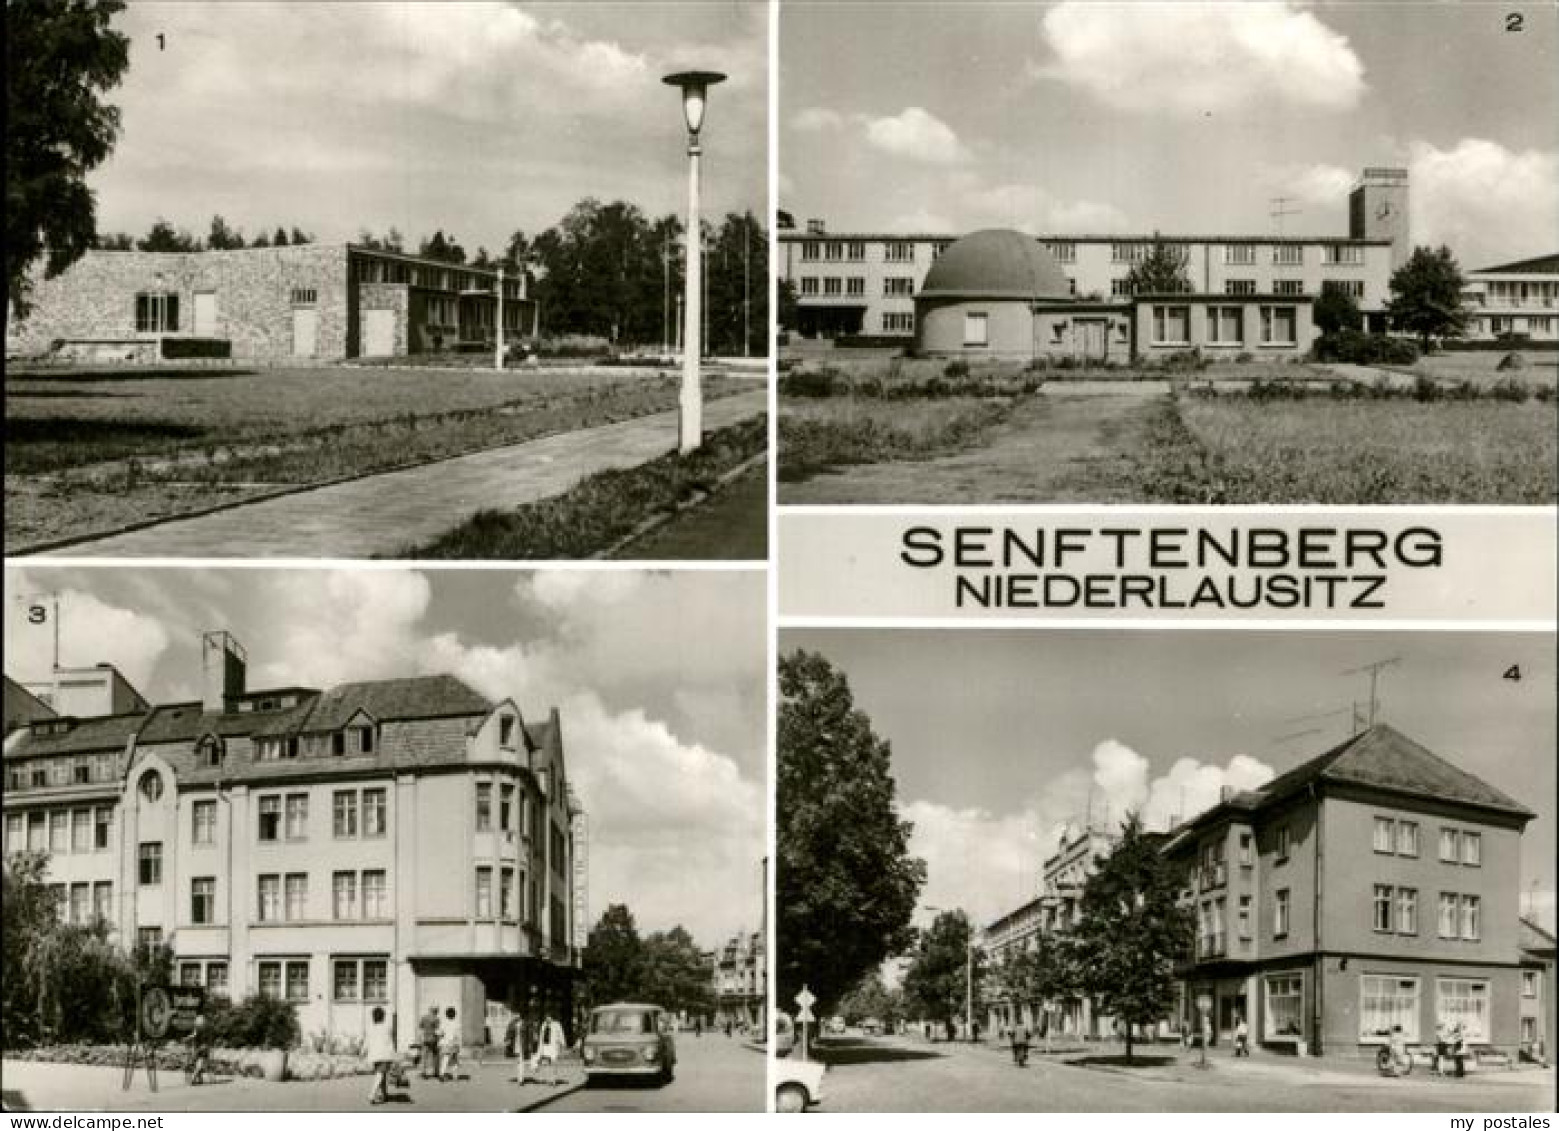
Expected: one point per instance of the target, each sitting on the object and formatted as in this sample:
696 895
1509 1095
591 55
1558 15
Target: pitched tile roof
94 735
417 697
1540 265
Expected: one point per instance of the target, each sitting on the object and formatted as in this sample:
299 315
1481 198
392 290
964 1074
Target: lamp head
695 94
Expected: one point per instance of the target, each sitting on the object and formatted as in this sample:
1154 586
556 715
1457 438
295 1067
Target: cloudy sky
1001 738
477 118
1183 117
664 728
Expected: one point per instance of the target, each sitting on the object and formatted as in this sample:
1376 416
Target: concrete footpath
383 514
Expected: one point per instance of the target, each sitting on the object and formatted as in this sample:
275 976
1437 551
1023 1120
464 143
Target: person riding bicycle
1394 1060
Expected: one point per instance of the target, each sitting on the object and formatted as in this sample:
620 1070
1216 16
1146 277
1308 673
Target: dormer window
506 731
210 752
364 739
151 786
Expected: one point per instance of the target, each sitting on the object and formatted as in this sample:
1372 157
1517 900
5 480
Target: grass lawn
816 435
1480 367
1323 451
732 525
607 507
95 448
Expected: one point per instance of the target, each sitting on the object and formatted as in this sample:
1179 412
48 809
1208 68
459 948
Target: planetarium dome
996 263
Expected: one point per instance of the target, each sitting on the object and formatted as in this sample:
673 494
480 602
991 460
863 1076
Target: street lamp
695 95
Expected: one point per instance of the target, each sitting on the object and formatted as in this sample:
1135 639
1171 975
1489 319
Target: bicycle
1391 1063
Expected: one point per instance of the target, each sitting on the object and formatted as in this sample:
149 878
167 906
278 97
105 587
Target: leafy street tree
300 237
676 974
845 882
613 958
1337 310
61 59
115 241
223 238
1426 296
871 998
445 250
944 977
787 303
280 238
162 236
1160 271
737 262
1132 931
1044 974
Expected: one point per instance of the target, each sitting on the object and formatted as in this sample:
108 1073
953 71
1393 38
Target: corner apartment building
313 302
1514 301
405 842
1373 886
865 282
740 981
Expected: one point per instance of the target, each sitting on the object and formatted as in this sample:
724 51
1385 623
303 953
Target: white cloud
817 119
1488 203
917 135
1030 208
921 220
1323 185
90 632
1122 777
337 626
1189 58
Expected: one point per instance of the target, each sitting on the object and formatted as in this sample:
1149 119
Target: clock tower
1377 210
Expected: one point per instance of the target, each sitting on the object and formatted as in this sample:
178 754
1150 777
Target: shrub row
1423 389
1355 347
955 381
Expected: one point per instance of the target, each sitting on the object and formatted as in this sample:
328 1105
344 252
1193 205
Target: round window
151 785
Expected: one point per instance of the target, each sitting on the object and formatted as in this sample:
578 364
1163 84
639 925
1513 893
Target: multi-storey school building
405 842
867 283
313 302
1515 301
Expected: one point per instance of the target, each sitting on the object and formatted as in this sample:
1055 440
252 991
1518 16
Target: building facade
1515 302
404 842
307 303
1372 887
740 982
1537 992
866 283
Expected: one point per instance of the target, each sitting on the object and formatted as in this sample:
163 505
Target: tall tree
872 998
845 884
279 239
1132 931
223 238
1160 271
1426 296
300 237
738 266
1336 310
614 957
676 974
945 976
115 241
61 58
162 236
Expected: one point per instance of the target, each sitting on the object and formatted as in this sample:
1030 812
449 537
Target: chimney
1225 793
815 227
223 666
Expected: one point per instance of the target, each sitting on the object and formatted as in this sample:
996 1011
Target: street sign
805 1016
186 1003
156 1013
806 999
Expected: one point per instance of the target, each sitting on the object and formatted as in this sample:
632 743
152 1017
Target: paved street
713 1074
901 1074
382 514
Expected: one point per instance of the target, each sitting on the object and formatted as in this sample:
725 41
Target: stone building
300 304
405 842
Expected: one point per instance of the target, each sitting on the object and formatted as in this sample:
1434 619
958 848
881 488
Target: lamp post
695 93
498 353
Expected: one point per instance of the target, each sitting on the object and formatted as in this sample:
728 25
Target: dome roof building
997 263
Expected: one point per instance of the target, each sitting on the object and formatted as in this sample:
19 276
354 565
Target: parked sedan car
798 1084
627 1039
784 1033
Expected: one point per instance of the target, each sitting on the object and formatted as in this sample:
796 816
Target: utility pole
498 355
746 287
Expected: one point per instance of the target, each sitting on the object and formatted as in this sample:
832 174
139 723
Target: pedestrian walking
1020 1045
1241 1036
379 1051
1458 1043
511 1035
550 1050
1442 1046
199 1049
449 1046
429 1031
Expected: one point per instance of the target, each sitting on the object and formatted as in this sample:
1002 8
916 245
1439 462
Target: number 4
1513 673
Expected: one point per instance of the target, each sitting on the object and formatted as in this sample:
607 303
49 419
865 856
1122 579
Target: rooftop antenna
1279 210
1374 670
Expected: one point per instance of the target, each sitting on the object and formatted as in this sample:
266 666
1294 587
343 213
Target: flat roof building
1515 302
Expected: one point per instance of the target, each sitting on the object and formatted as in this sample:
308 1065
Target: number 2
1514 21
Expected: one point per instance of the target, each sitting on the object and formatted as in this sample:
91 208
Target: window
898 286
361 739
37 832
1407 838
1239 254
338 744
1119 288
270 979
1127 252
1063 252
270 817
216 979
1383 900
1244 917
343 981
376 979
1280 914
506 731
1239 286
344 813
976 329
156 314
297 816
297 894
1385 1002
209 752
203 822
1353 288
59 831
1448 909
1385 834
1171 325
1288 255
103 900
297 981
1472 849
898 322
506 807
1464 1002
899 251
1407 911
484 806
15 832
1213 872
1225 325
832 285
484 893
202 900
855 286
81 772
373 812
343 895
506 893
269 889
1450 846
1285 1002
833 249
148 936
855 249
1472 917
375 903
1278 325
81 904
808 285
1529 983
189 973
150 860
304 296
81 830
1339 255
